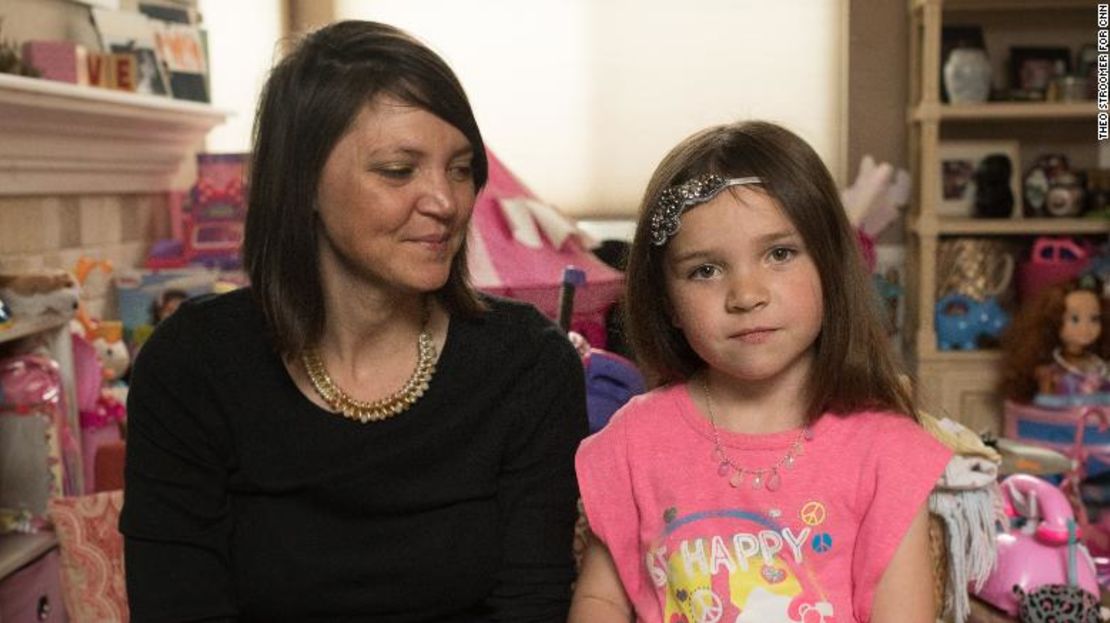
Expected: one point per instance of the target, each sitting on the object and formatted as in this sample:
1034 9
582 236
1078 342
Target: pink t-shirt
690 547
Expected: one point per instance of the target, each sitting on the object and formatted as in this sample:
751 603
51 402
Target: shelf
1012 227
1005 5
981 356
16 550
1005 111
61 138
22 327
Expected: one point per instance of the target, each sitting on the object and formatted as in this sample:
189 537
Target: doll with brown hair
1055 350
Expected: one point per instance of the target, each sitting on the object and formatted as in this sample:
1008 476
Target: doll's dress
1073 387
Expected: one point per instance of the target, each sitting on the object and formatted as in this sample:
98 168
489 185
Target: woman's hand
599 596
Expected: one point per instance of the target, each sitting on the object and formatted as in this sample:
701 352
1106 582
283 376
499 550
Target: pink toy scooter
1037 554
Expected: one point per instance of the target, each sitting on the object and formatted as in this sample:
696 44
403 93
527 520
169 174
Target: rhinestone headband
675 200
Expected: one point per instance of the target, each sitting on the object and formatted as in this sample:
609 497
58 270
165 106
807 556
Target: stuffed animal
107 339
34 294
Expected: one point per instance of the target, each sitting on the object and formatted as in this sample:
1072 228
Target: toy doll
1055 350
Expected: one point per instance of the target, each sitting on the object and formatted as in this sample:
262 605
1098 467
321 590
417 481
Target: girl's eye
705 271
782 254
1073 319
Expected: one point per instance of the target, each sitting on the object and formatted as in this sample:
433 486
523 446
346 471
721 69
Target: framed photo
960 161
133 33
1033 69
183 49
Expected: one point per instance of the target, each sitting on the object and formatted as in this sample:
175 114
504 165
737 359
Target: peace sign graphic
706 606
821 542
813 513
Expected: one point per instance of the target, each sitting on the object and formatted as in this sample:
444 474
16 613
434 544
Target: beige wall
582 98
244 36
878 66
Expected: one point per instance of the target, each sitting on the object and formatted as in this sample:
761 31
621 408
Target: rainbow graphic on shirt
738 566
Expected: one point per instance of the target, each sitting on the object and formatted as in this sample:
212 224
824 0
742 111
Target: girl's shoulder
868 427
660 402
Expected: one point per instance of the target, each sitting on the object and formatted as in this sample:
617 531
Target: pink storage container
1051 260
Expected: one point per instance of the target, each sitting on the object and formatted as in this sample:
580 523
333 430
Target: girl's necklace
762 476
378 410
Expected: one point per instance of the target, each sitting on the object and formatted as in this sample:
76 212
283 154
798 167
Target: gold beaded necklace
384 408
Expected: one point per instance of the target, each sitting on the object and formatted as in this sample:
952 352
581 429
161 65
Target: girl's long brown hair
854 369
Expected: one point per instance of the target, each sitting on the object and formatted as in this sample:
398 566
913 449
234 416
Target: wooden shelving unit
17 550
1004 111
961 384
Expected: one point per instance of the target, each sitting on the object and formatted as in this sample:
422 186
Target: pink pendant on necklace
722 469
788 462
757 482
774 482
737 479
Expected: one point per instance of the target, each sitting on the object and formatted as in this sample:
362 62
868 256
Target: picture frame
1032 69
128 32
959 161
185 53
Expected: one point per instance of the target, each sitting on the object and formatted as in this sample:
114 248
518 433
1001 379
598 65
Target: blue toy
960 320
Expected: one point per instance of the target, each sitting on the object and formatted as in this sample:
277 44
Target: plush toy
111 351
1055 351
93 278
34 294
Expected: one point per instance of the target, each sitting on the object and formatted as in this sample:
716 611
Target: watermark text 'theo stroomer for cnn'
1103 71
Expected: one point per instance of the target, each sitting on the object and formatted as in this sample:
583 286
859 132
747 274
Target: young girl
776 473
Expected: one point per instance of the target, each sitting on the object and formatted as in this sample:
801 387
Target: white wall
582 98
242 42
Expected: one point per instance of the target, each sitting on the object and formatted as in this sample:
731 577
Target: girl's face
743 289
395 197
1082 321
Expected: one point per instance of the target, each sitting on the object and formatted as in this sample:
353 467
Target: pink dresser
30 592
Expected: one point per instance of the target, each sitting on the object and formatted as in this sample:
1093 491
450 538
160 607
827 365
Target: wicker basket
938 551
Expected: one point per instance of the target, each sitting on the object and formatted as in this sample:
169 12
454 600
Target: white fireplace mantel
59 138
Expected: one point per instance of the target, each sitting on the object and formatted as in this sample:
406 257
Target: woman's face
1082 323
395 198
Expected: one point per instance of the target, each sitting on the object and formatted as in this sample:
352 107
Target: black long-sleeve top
245 501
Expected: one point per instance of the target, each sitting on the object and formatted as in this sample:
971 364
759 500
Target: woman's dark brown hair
310 100
1035 331
853 368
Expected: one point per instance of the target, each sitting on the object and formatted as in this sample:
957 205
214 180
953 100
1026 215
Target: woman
359 435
